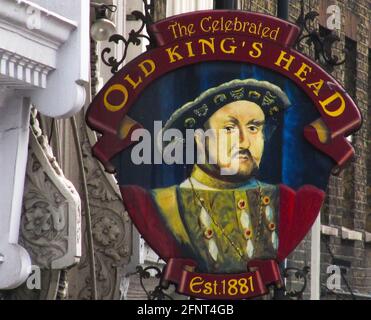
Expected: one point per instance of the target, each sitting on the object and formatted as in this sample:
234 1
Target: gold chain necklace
260 211
235 247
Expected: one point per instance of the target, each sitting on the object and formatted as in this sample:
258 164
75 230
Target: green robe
230 228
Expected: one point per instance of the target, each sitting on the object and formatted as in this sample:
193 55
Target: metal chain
260 211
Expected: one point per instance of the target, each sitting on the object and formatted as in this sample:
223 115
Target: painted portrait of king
222 216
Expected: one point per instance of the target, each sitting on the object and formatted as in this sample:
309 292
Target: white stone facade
44 61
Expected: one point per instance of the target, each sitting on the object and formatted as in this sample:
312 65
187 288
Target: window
350 66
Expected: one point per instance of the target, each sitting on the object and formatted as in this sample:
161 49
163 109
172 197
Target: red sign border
328 133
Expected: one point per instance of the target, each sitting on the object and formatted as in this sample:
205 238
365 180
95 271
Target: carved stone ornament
51 218
111 230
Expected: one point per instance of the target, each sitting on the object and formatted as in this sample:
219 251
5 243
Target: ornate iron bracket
135 37
299 274
322 44
158 292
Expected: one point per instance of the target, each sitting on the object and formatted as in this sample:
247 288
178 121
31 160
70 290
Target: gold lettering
179 30
191 29
303 71
257 46
196 281
331 99
259 28
132 82
190 49
245 24
208 289
274 34
265 32
317 86
148 67
207 19
285 59
251 283
173 55
210 44
215 25
172 27
252 28
231 49
239 24
116 107
228 25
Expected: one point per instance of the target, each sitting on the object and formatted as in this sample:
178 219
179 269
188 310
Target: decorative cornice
54 29
19 72
31 47
31 37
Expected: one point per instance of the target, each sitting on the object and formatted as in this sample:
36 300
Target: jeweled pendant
249 248
205 218
245 220
213 249
269 213
275 240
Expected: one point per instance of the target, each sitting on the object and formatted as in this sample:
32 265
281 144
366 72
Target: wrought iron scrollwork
323 44
158 292
299 274
135 37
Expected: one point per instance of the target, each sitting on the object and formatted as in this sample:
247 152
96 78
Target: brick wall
347 203
353 196
267 7
368 218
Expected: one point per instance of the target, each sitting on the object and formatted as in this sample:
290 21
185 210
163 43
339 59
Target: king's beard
247 168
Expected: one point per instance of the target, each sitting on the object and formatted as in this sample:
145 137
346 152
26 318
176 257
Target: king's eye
229 128
253 129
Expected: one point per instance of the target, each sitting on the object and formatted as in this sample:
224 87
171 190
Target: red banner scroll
222 286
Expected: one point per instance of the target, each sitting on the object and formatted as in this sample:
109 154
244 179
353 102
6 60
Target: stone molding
28 53
351 234
329 231
44 64
43 49
51 217
111 229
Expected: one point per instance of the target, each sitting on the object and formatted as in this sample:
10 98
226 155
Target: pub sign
223 138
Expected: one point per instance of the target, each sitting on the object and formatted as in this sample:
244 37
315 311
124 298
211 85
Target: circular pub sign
223 138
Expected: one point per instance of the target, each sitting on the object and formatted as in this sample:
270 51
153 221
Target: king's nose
244 139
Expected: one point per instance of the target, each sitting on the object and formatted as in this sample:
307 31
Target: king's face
236 142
